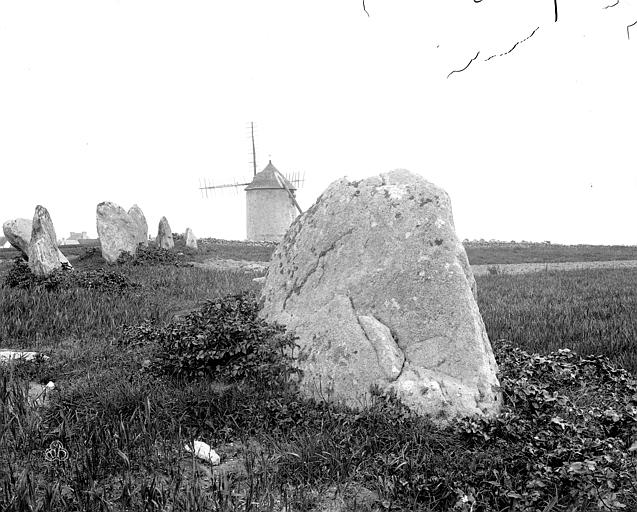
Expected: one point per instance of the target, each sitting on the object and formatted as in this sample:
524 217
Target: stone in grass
164 235
377 287
138 217
118 231
43 252
191 239
18 233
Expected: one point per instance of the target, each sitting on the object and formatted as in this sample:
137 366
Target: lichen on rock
376 285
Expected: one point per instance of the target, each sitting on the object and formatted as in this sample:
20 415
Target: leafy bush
152 255
20 276
224 339
568 430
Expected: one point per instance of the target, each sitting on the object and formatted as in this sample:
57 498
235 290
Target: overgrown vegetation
193 364
224 340
567 435
564 439
153 255
21 277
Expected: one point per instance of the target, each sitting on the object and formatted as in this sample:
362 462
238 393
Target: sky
137 101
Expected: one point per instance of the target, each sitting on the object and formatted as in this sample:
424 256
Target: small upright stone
138 217
117 230
164 235
43 250
191 239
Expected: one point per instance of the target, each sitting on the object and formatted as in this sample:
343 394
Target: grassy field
479 254
591 311
562 442
484 254
207 248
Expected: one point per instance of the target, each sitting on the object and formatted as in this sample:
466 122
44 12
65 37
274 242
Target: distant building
269 208
77 236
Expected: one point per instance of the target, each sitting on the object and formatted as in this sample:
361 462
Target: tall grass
37 316
589 311
484 254
124 428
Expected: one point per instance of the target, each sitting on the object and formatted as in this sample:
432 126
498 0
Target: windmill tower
271 204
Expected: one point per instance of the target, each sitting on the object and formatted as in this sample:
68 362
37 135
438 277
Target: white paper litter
204 452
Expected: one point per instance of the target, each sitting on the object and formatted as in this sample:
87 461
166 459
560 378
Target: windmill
271 204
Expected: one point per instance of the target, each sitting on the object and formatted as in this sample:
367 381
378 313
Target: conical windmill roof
267 178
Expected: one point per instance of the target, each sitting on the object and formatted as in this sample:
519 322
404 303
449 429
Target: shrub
20 276
152 255
224 339
567 430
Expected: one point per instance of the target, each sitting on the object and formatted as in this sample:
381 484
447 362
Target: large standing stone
191 239
117 230
164 235
18 233
43 251
138 217
378 289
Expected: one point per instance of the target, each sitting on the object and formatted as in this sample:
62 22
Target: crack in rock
296 288
391 358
